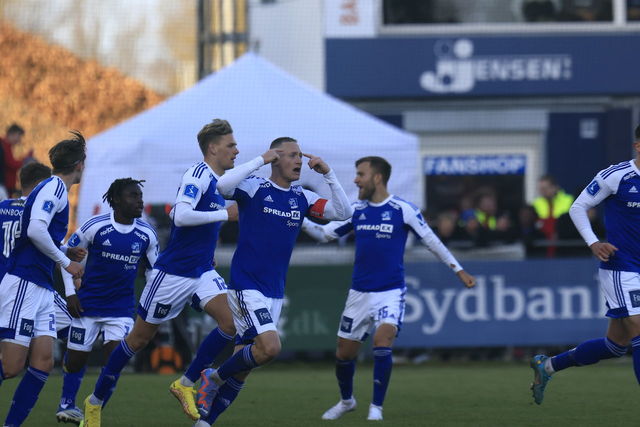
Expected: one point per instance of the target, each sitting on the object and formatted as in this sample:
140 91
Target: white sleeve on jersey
38 233
78 240
598 190
185 216
153 249
192 187
47 203
231 179
337 208
323 233
413 218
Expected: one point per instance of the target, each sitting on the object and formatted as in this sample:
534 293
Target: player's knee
137 342
72 366
227 326
270 350
342 354
43 363
11 370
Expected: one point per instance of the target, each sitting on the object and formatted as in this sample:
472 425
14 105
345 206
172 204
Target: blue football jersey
190 250
270 219
47 202
114 253
381 231
10 214
619 187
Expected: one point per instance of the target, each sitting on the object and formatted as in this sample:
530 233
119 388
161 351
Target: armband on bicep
317 209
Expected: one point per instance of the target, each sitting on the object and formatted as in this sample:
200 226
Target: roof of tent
262 103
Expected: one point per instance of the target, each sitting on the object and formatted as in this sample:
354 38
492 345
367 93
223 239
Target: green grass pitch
434 394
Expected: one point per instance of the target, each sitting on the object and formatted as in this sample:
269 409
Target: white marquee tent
262 103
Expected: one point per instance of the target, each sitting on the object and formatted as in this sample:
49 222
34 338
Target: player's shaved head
31 174
379 165
212 132
279 141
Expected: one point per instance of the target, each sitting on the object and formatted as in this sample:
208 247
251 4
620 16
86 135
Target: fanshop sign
469 66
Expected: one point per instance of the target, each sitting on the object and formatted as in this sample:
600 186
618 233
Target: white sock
548 367
94 400
186 382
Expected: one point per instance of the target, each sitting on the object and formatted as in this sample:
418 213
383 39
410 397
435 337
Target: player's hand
232 211
468 280
271 156
76 254
317 164
77 283
75 270
603 251
74 306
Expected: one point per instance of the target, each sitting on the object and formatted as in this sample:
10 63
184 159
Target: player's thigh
218 308
22 305
41 353
356 320
385 335
14 358
141 334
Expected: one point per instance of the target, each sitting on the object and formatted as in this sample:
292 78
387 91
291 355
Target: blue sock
225 397
241 361
107 396
1 373
70 386
212 345
25 396
635 345
345 369
382 362
588 353
110 373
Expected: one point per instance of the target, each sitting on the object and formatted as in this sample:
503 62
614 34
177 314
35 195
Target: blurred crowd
11 164
544 227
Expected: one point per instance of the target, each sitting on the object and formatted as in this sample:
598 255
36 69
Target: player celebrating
105 302
619 273
27 309
381 223
10 214
271 212
183 273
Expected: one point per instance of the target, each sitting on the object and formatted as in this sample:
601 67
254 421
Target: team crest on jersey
26 327
593 188
297 189
76 335
386 216
74 241
47 206
263 316
135 247
191 190
293 202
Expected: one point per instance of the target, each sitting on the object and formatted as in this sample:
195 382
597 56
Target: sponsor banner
475 165
350 18
470 66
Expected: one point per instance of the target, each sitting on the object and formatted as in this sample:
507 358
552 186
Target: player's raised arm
593 195
414 219
338 207
228 182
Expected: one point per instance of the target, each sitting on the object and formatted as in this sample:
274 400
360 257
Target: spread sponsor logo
295 215
131 259
383 228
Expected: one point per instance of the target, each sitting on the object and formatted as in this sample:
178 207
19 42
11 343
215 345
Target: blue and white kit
107 292
618 187
27 299
270 221
378 287
183 273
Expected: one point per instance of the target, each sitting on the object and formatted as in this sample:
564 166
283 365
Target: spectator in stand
529 231
552 203
11 165
484 225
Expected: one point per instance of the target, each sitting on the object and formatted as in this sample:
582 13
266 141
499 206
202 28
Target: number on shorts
382 313
220 283
52 323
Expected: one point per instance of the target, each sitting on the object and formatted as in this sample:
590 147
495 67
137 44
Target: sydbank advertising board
481 66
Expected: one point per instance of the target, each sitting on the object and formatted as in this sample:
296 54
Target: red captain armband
317 209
